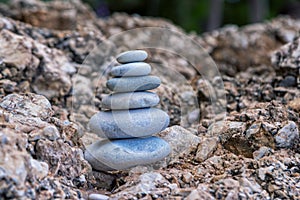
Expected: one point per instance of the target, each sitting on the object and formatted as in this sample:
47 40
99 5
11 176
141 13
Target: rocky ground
253 154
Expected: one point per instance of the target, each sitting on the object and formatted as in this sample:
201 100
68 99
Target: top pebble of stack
132 56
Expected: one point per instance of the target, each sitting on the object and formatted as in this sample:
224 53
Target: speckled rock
287 136
131 84
40 107
122 154
130 100
131 69
17 164
259 40
285 59
30 142
206 148
131 123
54 65
58 155
182 141
146 183
132 56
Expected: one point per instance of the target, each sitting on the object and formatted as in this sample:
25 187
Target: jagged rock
146 183
182 141
62 158
206 148
285 59
36 63
235 49
29 105
287 135
14 165
31 132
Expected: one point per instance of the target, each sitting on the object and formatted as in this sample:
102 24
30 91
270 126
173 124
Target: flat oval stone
130 100
128 123
132 56
131 84
108 155
131 69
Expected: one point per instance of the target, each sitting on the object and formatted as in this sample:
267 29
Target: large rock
285 59
260 125
248 46
122 154
288 135
14 165
129 123
32 143
62 158
182 142
46 69
25 106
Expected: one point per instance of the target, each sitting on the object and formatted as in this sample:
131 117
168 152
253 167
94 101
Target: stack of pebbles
129 121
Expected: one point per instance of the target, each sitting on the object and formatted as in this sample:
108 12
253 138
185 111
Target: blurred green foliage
192 15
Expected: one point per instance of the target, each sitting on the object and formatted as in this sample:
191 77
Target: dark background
201 15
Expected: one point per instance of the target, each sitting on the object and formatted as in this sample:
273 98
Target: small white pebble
95 196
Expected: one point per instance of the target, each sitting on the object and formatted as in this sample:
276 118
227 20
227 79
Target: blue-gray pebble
131 84
130 100
131 69
108 155
117 124
132 56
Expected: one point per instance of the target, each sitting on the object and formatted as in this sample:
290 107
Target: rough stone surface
287 135
25 106
131 84
130 100
27 58
126 153
181 140
32 147
285 59
131 123
206 148
258 65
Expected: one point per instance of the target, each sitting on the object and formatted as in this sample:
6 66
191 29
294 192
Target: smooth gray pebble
117 124
109 155
132 56
131 69
130 100
131 84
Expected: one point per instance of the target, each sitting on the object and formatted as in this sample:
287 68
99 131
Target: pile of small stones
129 119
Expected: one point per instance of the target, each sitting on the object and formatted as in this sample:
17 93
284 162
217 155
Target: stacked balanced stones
129 121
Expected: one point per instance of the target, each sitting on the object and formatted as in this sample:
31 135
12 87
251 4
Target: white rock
287 135
40 169
95 196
